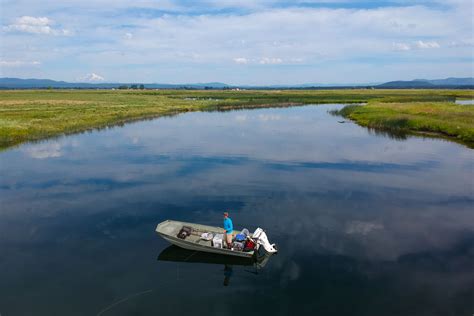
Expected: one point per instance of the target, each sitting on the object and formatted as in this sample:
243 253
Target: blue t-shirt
228 226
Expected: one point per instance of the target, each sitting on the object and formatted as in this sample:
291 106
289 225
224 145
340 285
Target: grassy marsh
29 115
442 119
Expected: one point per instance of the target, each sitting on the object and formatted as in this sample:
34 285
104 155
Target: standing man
229 228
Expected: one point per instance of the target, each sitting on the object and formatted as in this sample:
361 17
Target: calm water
366 224
465 102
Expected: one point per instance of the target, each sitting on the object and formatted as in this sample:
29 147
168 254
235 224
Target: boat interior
198 234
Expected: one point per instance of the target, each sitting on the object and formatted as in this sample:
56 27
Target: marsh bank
29 115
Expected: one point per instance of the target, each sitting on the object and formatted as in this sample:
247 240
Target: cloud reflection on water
342 204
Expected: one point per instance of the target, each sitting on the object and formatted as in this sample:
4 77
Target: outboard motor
262 239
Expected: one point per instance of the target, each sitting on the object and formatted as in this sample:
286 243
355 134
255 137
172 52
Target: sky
261 42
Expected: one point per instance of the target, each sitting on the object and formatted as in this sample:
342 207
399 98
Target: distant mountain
452 83
406 84
424 83
365 84
16 83
316 85
211 84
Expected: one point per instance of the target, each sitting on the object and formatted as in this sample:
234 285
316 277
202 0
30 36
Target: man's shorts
228 238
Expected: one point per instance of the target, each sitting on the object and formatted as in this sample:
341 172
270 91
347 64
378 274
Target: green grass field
443 119
29 115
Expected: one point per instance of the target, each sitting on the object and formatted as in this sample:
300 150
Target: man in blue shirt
229 229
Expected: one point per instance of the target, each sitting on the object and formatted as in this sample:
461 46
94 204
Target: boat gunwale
206 248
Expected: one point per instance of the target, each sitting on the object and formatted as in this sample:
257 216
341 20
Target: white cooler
217 240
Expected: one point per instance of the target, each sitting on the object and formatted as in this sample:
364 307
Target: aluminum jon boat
194 240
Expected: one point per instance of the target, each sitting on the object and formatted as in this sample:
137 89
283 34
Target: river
365 223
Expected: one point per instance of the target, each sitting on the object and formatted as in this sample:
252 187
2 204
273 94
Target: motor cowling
261 237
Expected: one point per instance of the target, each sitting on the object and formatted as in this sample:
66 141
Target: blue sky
236 42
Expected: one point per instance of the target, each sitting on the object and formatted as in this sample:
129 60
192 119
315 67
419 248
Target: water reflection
395 134
365 224
177 254
464 102
180 255
227 274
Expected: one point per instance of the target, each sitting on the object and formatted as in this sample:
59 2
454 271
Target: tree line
133 86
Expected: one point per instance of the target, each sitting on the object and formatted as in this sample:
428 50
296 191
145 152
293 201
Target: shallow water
365 224
464 102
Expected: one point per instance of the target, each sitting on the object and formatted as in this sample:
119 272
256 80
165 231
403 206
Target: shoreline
35 115
447 121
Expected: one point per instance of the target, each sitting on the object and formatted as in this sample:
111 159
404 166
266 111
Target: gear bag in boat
240 237
249 245
185 232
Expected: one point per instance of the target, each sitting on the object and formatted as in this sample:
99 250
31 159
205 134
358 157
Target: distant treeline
448 83
144 87
133 87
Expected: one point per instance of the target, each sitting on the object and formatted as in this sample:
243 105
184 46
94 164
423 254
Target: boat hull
174 253
190 246
169 235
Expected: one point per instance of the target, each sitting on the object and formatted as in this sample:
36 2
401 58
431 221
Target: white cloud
296 60
92 77
43 151
241 60
241 118
417 44
30 20
269 117
291 272
36 25
401 47
362 228
427 45
18 63
462 43
270 61
333 45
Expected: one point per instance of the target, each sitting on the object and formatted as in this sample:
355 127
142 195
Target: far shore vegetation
441 119
31 115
